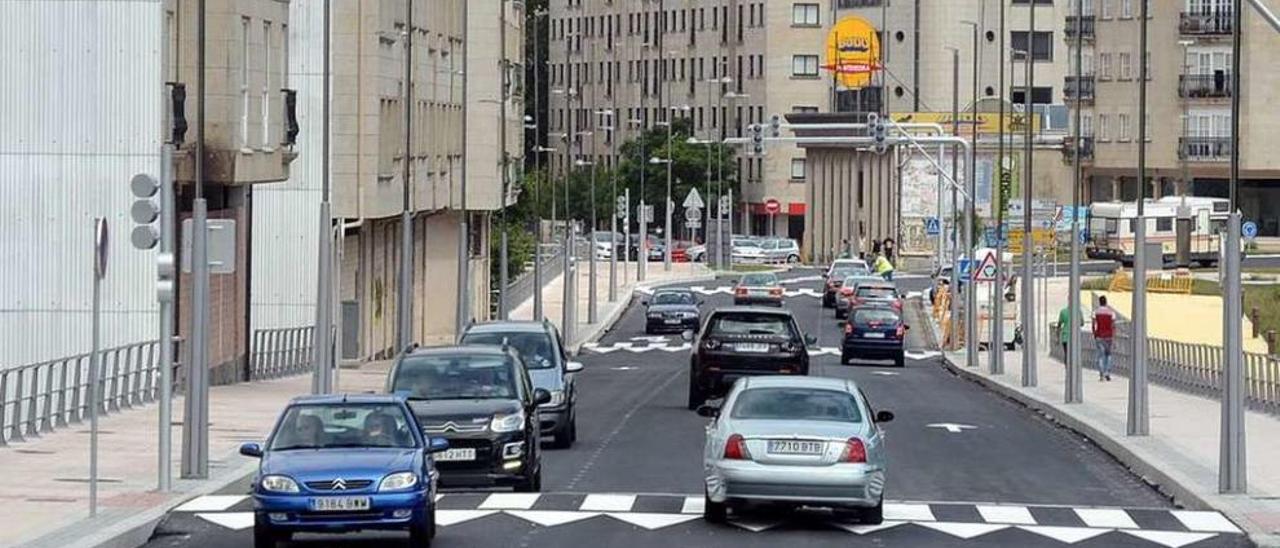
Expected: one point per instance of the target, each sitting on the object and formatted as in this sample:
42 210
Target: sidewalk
46 500
608 312
1180 455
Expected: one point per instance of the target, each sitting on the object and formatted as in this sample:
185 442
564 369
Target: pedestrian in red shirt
1104 333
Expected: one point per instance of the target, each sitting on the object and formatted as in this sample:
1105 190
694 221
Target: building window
1126 9
804 108
1042 44
1126 65
804 66
798 169
805 15
1104 127
1104 66
1125 133
244 82
1039 95
266 81
1107 8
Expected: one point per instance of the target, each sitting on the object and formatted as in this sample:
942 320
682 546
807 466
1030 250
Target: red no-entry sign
772 206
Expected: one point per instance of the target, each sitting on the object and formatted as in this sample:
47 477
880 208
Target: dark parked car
744 341
672 310
540 346
874 332
479 398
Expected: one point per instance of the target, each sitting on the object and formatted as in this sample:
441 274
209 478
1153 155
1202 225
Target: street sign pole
1075 375
168 272
1139 423
100 242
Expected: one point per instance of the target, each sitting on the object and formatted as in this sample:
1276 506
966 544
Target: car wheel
573 429
844 359
422 531
563 438
793 259
531 483
263 536
714 512
899 361
874 515
696 397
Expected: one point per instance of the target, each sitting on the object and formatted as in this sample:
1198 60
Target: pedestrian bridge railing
1193 368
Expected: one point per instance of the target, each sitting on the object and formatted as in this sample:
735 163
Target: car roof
672 290
878 284
326 399
785 381
474 350
753 309
510 326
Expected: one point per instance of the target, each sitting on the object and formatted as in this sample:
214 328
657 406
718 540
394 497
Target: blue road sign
932 227
965 266
1249 230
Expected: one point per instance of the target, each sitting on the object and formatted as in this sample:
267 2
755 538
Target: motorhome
1111 226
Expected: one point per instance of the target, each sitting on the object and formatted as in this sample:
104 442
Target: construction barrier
1179 282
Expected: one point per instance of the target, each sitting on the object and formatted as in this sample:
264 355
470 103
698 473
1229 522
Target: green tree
688 170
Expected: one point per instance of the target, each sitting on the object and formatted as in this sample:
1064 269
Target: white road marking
445 518
1172 539
1016 515
509 501
624 368
963 530
607 503
884 373
907 512
650 339
1205 521
866 529
1106 517
550 518
231 520
922 355
651 521
755 526
952 427
1066 535
210 503
693 505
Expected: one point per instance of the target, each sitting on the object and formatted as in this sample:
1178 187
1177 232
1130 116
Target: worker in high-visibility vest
883 267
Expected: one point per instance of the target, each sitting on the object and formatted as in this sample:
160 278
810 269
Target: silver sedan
802 441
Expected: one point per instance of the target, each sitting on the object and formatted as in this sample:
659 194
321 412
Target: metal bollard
1253 318
1271 342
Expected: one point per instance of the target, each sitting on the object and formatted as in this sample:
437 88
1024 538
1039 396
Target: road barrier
1179 283
38 398
281 352
1194 368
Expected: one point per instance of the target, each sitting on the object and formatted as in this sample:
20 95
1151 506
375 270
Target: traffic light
757 139
878 133
775 126
145 211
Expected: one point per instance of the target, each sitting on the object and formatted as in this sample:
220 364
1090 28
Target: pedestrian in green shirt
1064 330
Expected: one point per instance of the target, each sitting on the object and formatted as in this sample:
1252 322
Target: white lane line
1205 521
1016 515
651 521
693 505
1104 517
210 503
509 501
445 518
607 503
907 512
866 529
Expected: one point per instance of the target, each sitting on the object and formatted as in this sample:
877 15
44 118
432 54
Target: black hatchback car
540 346
671 310
874 332
479 398
738 342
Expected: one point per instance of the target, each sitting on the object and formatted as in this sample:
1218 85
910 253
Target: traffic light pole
167 271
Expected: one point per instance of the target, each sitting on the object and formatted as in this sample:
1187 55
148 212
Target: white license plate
458 454
789 447
340 504
673 322
754 348
873 335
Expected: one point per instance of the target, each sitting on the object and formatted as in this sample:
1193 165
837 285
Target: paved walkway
1180 454
46 492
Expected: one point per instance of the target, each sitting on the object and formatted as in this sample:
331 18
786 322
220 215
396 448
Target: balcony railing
1209 23
1217 84
860 100
1086 25
1084 86
1204 148
1084 144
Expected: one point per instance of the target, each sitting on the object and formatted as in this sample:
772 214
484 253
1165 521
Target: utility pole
195 423
462 316
971 297
642 240
612 128
1028 272
668 113
1139 423
504 65
404 310
537 158
592 289
957 280
1233 468
1075 376
997 324
321 374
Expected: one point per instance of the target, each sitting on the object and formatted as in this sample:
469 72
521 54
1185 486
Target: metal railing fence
281 352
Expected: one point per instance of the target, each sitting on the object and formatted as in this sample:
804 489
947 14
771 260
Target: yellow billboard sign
853 52
1040 237
987 122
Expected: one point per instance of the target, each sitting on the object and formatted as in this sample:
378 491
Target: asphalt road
1006 477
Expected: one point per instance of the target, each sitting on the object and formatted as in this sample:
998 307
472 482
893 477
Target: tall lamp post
726 255
572 149
670 123
611 131
1074 387
1139 423
1029 320
971 300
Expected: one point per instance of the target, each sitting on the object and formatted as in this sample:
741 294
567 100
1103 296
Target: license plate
873 335
340 504
755 348
759 292
673 322
789 447
458 454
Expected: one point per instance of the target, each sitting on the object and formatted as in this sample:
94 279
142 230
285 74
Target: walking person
1104 332
1064 330
888 248
883 267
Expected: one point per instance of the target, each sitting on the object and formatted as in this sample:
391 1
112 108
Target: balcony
851 4
1213 23
1204 149
1085 87
1070 144
1086 27
1194 86
859 100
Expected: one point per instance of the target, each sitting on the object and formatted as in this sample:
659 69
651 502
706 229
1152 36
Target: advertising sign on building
853 52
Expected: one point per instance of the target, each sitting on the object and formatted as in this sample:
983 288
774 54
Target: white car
748 251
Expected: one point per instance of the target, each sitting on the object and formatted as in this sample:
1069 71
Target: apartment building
1188 105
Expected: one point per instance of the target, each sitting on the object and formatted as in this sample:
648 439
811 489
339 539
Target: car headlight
557 398
655 315
508 423
279 484
398 481
690 315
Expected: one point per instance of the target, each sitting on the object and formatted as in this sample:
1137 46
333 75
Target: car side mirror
541 396
810 340
644 302
884 416
251 450
687 335
437 445
573 367
708 411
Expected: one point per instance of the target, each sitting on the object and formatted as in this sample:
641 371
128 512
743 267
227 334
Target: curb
1182 493
593 332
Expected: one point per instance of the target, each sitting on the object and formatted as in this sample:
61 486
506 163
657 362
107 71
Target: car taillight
740 291
776 292
848 328
846 291
736 448
902 331
854 451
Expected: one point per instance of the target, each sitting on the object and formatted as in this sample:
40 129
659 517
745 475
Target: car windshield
855 280
868 317
326 426
842 271
535 348
877 292
462 377
796 404
760 280
673 297
740 323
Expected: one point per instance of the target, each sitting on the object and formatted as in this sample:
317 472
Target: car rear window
535 347
750 324
877 292
456 377
805 404
759 280
673 297
866 317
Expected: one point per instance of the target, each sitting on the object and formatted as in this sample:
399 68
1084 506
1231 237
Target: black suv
744 341
540 346
481 400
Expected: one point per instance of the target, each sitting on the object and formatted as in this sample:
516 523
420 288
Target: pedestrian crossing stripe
653 512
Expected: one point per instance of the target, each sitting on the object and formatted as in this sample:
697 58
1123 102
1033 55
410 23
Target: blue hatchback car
339 464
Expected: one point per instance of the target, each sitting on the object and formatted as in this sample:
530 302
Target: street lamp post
1139 423
956 278
1028 272
571 134
613 191
726 256
1075 376
971 301
997 325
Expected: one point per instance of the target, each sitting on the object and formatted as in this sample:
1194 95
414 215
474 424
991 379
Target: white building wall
80 105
